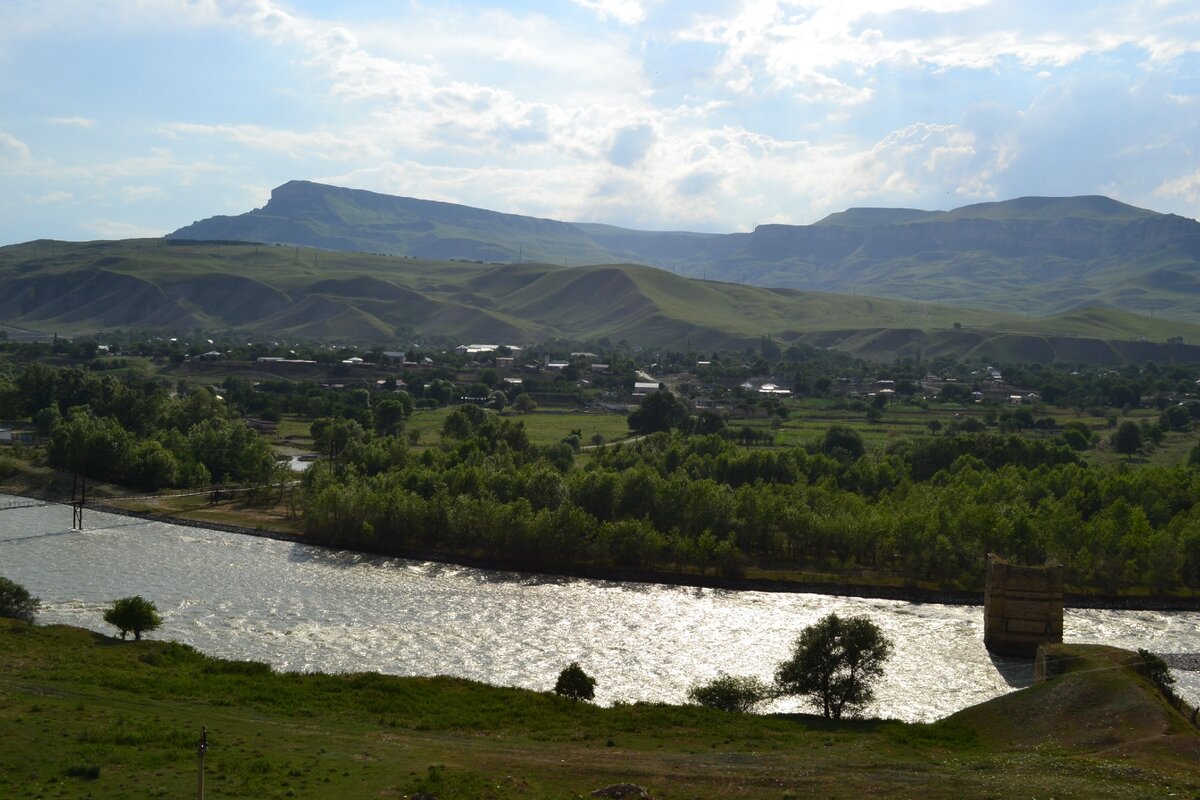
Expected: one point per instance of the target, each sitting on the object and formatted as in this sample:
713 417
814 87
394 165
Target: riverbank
87 714
837 588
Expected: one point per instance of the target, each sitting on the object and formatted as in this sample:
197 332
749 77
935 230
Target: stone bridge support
1022 608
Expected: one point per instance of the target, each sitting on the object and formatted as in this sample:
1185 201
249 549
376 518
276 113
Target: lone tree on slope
574 683
135 614
834 663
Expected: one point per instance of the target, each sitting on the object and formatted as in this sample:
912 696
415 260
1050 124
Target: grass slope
145 284
82 714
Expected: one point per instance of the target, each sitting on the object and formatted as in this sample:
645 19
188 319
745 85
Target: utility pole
200 751
79 481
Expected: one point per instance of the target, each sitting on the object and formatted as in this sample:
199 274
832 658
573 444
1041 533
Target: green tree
390 413
660 411
16 602
333 434
524 403
1128 437
97 445
440 390
730 693
834 663
574 683
457 424
709 422
843 443
1077 435
135 614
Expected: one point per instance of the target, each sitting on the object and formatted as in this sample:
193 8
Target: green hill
82 288
1045 255
85 715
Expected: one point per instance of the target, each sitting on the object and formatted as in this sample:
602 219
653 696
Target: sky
126 118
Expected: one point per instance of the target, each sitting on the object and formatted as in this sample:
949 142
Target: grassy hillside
75 288
83 715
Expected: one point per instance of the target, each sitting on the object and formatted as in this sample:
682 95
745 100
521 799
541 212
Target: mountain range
1039 255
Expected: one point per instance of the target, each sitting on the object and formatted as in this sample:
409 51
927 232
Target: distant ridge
1041 255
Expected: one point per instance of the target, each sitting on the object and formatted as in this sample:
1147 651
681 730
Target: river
305 608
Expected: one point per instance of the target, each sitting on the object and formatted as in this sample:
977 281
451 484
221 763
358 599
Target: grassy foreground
84 715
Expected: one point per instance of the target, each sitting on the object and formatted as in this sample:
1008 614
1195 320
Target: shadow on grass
1016 672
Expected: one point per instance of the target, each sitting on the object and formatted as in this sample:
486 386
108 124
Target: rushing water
299 607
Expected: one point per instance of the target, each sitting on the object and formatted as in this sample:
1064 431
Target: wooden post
200 766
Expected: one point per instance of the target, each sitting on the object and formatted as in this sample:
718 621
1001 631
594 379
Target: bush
89 772
16 602
730 693
575 684
1153 667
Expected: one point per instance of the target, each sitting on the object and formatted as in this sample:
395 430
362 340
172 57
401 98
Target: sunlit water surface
306 608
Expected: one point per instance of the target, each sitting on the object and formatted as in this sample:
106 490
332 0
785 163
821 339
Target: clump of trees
133 615
16 602
834 664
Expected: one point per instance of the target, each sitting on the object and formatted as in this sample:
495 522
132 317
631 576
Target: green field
806 424
84 715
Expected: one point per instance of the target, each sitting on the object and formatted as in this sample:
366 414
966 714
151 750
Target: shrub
1154 668
730 693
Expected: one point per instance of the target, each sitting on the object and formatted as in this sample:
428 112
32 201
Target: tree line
930 509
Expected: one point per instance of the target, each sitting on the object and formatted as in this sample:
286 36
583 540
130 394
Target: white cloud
13 151
136 194
74 122
1186 187
321 145
120 229
804 46
51 198
626 12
